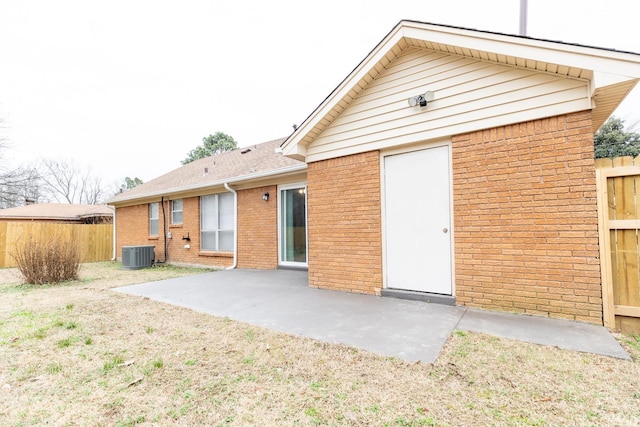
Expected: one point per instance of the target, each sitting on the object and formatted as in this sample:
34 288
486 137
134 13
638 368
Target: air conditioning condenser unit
137 257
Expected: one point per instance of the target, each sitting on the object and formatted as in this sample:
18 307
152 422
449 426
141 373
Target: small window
176 211
216 222
153 219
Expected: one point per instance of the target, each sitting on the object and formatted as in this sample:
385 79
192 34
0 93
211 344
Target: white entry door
417 221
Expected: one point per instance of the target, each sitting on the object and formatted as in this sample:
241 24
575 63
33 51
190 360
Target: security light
421 99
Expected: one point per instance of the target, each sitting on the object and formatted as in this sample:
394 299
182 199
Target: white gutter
235 180
235 226
114 233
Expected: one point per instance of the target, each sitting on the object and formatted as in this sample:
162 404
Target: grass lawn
80 354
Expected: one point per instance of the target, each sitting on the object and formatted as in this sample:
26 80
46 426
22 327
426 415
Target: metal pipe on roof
523 17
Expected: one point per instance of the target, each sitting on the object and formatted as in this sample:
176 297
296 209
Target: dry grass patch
81 355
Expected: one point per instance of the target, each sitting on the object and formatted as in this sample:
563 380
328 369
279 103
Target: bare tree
16 185
48 180
66 182
92 191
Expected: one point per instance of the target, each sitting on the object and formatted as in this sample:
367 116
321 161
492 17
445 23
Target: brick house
189 216
450 164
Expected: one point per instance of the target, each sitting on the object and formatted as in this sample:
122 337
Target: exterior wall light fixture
422 99
265 196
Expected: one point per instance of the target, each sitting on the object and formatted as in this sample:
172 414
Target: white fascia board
289 148
583 57
296 151
235 180
601 79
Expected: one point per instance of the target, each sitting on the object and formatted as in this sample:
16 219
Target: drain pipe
235 226
115 247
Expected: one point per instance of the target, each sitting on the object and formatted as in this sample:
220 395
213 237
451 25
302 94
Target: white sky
127 88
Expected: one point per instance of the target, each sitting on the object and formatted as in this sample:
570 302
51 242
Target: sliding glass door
293 225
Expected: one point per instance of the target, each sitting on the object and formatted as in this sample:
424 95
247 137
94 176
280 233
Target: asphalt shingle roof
55 211
242 162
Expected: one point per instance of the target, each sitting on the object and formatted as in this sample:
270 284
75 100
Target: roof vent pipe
523 17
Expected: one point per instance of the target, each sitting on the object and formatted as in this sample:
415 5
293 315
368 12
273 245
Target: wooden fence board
3 238
629 268
618 184
610 200
95 240
605 240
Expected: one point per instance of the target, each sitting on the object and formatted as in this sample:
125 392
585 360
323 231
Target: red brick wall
132 228
525 220
191 226
345 248
258 228
257 232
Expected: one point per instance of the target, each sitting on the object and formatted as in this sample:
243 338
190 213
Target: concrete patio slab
565 334
409 330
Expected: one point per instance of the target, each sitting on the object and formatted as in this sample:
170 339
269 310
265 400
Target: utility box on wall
137 257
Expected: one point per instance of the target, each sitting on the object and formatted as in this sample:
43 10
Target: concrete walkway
409 330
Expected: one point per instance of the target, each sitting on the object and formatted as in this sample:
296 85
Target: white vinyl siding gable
217 222
470 94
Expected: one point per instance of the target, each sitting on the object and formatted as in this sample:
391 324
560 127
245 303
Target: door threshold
419 296
293 267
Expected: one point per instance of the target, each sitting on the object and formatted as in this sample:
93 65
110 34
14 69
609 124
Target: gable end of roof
609 74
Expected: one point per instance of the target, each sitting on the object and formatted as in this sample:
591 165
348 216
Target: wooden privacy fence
618 187
95 240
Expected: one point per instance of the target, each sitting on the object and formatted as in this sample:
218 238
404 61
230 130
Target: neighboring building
90 226
59 213
484 195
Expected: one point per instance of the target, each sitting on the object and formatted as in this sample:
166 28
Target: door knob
445 230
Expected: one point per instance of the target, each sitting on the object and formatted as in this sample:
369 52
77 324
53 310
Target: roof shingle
242 162
55 211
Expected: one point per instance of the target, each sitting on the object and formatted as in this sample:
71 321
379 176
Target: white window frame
281 188
156 219
217 230
174 211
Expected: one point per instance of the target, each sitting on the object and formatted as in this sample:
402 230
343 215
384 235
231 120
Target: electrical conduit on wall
235 226
164 230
